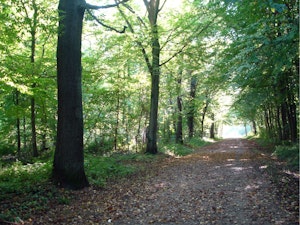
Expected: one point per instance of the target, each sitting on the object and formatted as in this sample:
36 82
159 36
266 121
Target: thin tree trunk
212 127
179 107
32 60
284 120
18 125
254 127
191 107
117 121
203 117
33 129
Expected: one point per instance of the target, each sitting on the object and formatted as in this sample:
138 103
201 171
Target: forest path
223 183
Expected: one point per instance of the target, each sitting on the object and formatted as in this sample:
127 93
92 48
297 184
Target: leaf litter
229 182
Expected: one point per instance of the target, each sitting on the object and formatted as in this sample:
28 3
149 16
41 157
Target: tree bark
179 107
203 117
153 10
33 27
254 127
212 127
18 124
68 165
191 112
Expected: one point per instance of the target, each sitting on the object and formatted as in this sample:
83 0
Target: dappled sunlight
263 167
238 168
252 186
244 159
234 146
228 165
294 174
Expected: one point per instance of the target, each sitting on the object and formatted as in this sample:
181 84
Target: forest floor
232 181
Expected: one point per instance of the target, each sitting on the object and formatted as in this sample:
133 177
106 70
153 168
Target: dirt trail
223 183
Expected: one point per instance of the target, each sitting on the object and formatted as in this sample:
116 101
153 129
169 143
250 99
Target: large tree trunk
68 169
152 133
153 10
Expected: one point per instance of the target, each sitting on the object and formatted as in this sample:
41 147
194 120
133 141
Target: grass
25 189
182 150
284 151
99 169
289 154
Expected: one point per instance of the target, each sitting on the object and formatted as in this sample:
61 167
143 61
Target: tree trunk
152 134
191 112
116 133
293 122
203 117
254 127
179 106
18 125
33 129
284 120
153 10
68 165
212 127
33 27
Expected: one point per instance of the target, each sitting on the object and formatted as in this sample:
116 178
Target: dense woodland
117 76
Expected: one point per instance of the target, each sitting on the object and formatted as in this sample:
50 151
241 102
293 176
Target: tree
68 165
154 69
26 68
271 71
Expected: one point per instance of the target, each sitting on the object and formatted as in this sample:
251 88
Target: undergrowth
99 168
26 188
187 148
289 154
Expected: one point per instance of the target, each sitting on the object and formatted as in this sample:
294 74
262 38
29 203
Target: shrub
288 153
176 149
21 178
100 168
197 142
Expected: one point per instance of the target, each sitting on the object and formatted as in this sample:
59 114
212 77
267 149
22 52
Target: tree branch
188 41
146 57
137 16
104 25
95 7
162 6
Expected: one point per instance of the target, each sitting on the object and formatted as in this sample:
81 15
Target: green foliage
185 149
197 142
27 188
21 178
288 153
100 147
6 148
100 168
176 149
